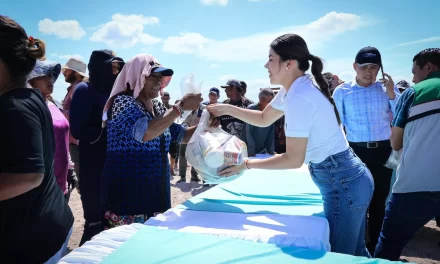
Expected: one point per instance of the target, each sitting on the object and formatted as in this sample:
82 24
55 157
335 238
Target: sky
220 39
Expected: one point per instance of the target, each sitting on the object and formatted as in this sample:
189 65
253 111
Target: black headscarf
100 69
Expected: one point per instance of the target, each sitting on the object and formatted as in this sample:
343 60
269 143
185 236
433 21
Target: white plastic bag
188 85
212 149
394 159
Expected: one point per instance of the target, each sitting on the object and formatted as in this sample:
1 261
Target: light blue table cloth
290 192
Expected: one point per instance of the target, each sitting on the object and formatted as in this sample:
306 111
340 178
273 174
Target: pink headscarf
134 73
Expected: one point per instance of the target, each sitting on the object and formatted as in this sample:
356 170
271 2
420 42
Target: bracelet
246 164
178 109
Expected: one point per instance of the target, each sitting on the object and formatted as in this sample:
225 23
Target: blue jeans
63 250
346 186
406 213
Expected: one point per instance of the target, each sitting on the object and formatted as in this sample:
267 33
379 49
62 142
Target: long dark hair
293 47
18 51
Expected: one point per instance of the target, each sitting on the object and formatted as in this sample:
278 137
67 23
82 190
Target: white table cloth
310 232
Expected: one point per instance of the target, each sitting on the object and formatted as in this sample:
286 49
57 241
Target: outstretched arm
254 117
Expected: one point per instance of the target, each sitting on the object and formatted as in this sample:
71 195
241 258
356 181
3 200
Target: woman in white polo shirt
313 136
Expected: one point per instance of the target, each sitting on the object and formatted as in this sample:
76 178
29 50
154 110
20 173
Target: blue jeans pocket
320 176
358 187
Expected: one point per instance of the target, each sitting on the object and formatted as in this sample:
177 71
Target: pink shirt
66 108
61 157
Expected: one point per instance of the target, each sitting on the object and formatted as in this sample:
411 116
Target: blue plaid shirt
402 109
365 111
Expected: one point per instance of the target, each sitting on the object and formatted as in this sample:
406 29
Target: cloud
64 29
215 2
254 47
213 66
226 77
125 31
420 41
68 56
185 43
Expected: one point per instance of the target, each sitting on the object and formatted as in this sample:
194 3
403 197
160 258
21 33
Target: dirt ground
424 248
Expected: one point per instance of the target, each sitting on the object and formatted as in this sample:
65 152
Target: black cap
243 84
368 55
163 71
166 94
402 85
215 90
232 82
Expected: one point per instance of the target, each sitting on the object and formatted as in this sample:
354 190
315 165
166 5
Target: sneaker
182 179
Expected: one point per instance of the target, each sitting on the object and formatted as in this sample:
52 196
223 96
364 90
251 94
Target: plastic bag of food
394 159
212 149
188 85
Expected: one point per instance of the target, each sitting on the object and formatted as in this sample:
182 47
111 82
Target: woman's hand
191 101
218 109
233 170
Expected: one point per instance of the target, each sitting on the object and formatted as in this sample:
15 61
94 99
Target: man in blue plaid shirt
365 105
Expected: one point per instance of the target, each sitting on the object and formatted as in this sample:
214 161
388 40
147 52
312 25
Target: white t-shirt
308 113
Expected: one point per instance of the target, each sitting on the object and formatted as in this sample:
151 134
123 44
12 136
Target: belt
373 144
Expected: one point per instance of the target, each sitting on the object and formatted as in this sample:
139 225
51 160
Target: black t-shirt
231 124
33 225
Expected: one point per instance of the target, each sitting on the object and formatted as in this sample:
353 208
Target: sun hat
76 65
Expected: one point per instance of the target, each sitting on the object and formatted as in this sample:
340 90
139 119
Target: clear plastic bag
188 85
394 159
212 149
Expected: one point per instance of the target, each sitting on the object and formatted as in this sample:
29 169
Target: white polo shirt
308 113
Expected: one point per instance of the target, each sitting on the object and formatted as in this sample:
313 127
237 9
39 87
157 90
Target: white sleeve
299 113
278 101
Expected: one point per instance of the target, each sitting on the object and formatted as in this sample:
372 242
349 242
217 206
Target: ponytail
317 68
37 49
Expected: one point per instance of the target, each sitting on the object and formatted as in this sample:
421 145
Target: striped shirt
402 110
365 111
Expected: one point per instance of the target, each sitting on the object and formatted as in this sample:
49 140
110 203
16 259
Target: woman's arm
21 153
188 134
158 125
300 115
254 117
15 184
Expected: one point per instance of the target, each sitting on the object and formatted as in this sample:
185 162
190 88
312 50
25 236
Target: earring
287 68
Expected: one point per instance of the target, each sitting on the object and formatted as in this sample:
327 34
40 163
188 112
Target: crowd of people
113 140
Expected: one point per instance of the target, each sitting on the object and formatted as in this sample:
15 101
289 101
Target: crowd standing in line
116 137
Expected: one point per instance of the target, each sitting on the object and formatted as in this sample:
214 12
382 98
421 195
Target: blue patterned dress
136 176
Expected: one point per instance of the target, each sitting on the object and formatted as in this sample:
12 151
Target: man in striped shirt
364 106
415 198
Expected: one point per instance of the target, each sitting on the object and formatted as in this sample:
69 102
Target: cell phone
383 75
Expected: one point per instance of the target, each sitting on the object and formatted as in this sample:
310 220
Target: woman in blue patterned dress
136 176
